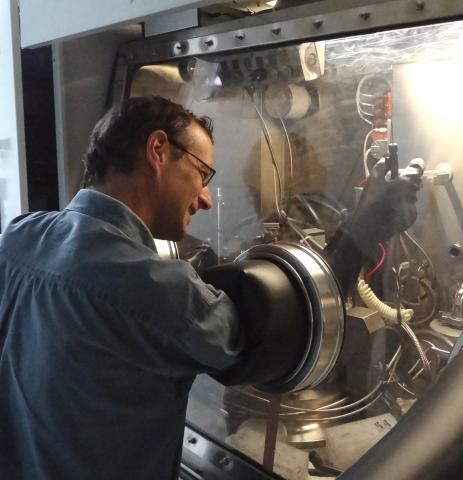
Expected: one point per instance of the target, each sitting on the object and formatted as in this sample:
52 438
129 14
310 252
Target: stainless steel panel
313 21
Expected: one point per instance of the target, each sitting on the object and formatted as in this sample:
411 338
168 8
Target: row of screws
224 461
317 23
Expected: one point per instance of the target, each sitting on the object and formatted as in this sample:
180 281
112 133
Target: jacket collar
108 209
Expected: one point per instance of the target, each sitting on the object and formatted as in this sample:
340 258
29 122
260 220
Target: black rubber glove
386 207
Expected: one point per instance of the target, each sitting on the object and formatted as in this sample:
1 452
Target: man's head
156 157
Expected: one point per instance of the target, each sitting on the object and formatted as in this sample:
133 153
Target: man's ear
156 149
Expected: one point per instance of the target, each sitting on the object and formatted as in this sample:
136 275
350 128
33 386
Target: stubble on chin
170 231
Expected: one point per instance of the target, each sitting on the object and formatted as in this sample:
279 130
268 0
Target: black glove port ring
325 312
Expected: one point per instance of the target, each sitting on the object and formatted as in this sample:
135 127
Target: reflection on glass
297 131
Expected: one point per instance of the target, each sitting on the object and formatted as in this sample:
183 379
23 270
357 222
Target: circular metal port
324 309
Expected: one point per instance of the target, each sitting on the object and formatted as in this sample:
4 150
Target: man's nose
205 199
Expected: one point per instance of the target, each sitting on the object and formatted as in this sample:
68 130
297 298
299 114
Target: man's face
182 183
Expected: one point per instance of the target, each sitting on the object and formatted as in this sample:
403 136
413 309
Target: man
100 340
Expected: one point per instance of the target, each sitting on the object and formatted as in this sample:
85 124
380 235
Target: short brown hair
119 138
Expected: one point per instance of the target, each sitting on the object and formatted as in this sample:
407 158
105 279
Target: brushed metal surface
325 308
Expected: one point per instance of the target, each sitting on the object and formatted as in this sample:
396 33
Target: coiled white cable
373 302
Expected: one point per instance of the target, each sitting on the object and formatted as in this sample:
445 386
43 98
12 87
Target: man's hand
387 205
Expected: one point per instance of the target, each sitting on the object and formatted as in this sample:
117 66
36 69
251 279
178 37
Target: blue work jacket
100 341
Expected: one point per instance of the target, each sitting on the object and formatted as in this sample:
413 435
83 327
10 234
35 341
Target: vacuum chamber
299 125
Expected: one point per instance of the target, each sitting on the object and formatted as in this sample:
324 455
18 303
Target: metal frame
308 22
82 70
73 19
13 174
206 458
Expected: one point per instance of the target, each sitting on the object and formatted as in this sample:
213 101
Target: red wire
380 262
362 182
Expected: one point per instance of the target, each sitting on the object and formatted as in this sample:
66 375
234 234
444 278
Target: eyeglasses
204 169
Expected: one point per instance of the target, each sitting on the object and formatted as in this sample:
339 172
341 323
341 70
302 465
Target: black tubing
427 444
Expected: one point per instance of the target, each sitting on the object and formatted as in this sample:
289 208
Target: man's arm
386 207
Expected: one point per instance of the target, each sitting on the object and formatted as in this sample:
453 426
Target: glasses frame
210 170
